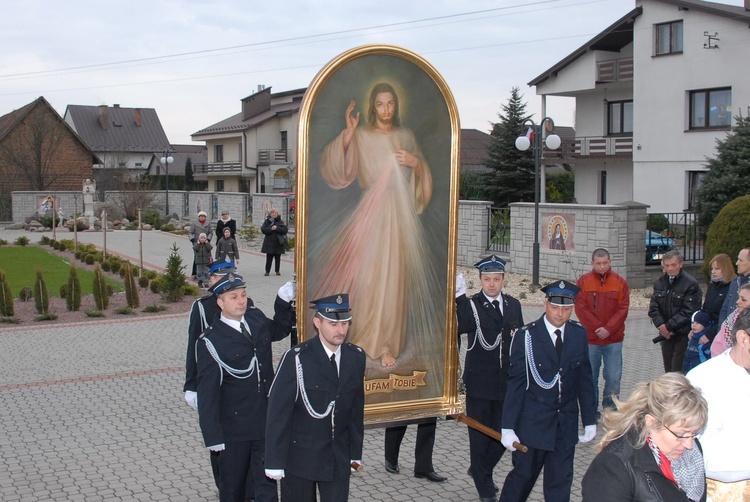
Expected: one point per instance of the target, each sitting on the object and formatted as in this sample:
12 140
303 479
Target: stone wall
472 231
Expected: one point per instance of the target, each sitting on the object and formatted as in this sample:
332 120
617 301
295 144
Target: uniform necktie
245 332
558 343
333 363
496 304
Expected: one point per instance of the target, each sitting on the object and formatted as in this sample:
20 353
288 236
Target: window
139 164
602 187
283 140
219 185
620 119
668 38
218 153
239 152
695 180
711 108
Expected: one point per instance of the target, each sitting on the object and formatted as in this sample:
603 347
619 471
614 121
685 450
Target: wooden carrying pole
474 424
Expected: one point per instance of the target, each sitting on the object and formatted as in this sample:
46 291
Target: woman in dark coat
274 242
649 451
722 274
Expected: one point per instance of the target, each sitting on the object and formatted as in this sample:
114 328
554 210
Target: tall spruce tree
512 175
729 173
189 180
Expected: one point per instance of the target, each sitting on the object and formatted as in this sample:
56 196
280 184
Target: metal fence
498 229
674 231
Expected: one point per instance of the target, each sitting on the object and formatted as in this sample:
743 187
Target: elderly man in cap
315 426
548 380
490 318
235 371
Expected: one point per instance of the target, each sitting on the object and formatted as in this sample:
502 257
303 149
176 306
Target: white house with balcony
653 93
253 151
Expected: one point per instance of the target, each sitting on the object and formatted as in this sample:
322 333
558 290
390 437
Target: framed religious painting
377 185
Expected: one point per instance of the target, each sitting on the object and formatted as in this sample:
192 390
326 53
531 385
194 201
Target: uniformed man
235 372
490 318
548 380
315 426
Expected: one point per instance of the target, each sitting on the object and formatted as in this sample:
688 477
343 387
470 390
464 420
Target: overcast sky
193 60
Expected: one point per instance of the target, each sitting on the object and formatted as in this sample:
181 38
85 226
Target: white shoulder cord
241 374
480 336
534 372
308 406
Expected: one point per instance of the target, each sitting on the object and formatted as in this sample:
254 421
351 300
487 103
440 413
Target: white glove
460 285
217 447
275 473
352 468
288 291
589 433
509 437
191 398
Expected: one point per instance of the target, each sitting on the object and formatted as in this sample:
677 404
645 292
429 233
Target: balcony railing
589 147
273 156
615 70
217 168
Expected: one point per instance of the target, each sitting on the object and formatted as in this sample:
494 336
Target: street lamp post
533 139
166 159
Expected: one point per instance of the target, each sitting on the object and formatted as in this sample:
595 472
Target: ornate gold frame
383 413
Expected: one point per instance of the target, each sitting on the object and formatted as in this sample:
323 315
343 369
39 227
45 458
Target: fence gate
498 229
6 208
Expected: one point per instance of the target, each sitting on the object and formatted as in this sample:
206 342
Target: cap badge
562 285
339 300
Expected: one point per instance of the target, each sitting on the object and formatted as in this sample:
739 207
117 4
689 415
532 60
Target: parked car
656 245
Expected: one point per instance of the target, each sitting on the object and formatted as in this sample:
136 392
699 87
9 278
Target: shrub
152 217
110 290
64 290
99 256
167 228
106 266
143 281
174 278
94 313
78 255
56 245
728 232
122 270
73 300
151 274
44 240
90 259
154 308
248 233
157 285
6 297
46 317
289 244
41 295
115 266
190 289
124 310
131 290
3 242
101 298
10 320
67 244
25 294
22 241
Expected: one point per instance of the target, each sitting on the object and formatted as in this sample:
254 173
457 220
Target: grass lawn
20 264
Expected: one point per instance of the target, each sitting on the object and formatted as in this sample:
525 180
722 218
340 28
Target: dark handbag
282 239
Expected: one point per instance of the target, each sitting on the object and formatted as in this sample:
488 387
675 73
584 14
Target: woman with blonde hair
649 451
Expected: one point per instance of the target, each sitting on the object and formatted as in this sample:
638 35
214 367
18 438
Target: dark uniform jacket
202 314
536 413
483 375
621 473
230 408
305 446
674 304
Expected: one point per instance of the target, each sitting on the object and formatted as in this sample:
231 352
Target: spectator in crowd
722 275
676 296
743 275
197 227
723 339
699 347
225 222
227 250
649 449
724 381
274 242
490 318
602 307
202 256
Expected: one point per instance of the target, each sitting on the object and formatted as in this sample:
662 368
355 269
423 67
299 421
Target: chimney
138 115
104 116
116 105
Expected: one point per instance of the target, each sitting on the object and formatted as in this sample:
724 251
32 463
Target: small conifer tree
101 298
131 289
6 297
174 277
73 299
41 295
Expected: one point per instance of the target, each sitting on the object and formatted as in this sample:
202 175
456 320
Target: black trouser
422 450
269 258
297 489
484 451
249 486
673 352
235 461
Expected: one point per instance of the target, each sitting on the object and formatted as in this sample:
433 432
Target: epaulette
299 348
205 333
351 346
574 322
530 325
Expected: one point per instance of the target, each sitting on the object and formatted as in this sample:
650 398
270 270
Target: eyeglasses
683 436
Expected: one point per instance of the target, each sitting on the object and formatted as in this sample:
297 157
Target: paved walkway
94 411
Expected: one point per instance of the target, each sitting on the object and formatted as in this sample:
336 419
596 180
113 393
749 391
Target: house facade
253 151
653 93
125 139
